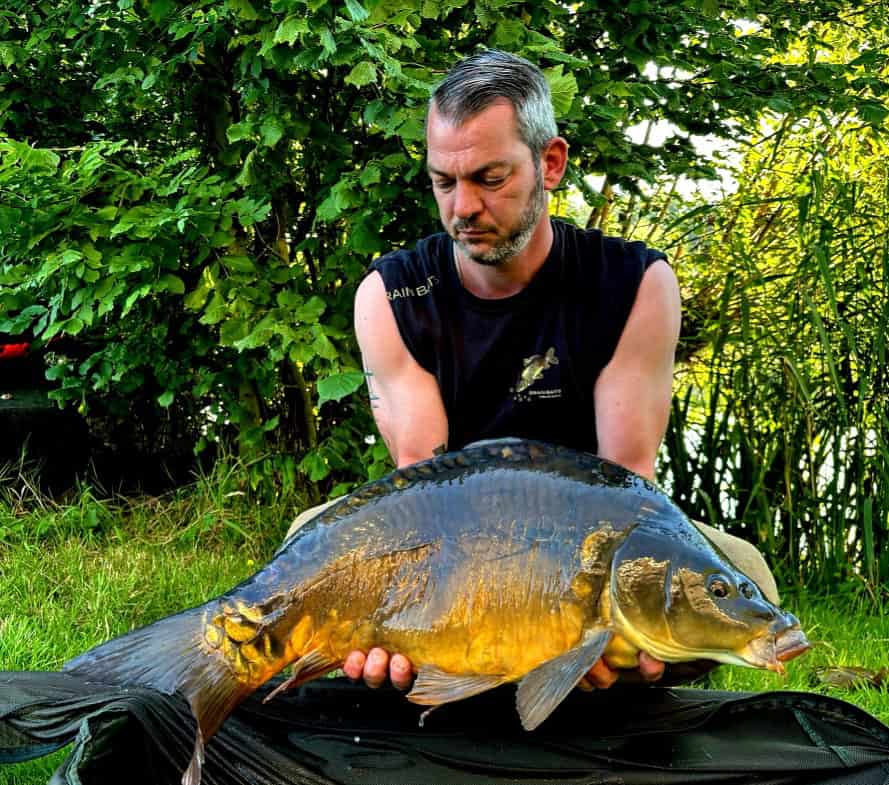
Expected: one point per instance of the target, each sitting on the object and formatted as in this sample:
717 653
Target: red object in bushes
10 351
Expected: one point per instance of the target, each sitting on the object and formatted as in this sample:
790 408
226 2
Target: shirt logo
532 372
409 291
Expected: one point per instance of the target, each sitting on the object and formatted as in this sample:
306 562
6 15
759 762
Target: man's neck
494 282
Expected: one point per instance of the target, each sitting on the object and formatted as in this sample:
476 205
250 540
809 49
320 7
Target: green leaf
323 347
243 8
134 296
159 9
73 326
196 298
342 196
362 74
165 399
250 210
395 161
371 175
310 311
232 331
779 105
291 29
271 131
314 465
216 311
357 11
338 386
239 264
365 239
563 88
873 113
412 130
328 42
508 33
172 283
238 131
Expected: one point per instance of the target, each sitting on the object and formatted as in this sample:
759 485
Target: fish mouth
772 650
791 644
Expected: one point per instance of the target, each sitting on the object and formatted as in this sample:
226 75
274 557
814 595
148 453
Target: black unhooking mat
332 731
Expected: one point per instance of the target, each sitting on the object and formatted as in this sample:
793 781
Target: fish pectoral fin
433 686
309 666
544 688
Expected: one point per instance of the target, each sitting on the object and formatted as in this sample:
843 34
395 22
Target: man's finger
376 667
601 676
400 671
650 668
353 666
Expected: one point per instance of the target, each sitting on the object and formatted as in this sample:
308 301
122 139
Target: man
511 324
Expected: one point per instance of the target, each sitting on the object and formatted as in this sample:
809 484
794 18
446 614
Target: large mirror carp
509 561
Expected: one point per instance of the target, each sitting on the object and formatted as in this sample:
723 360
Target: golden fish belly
507 644
502 618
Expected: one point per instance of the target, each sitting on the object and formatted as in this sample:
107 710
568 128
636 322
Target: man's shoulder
413 277
596 245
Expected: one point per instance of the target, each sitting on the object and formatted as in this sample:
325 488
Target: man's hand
375 666
602 676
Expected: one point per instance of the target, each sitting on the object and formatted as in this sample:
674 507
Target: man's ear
553 161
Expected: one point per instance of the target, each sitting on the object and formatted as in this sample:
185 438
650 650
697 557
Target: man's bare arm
632 394
404 397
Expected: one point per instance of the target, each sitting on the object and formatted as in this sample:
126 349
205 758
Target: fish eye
746 590
718 587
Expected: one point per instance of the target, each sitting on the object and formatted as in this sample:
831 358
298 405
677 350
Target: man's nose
467 201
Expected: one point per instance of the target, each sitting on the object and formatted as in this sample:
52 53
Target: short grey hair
482 79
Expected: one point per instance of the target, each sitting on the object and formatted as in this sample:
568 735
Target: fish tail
172 655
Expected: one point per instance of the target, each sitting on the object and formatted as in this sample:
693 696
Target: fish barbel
509 561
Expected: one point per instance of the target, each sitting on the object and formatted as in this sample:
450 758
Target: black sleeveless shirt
523 365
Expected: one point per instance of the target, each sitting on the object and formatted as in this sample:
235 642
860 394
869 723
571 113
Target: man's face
488 186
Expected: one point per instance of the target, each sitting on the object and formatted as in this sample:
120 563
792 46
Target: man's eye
493 180
444 185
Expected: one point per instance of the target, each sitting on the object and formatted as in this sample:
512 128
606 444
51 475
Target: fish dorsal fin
504 440
310 666
434 686
546 686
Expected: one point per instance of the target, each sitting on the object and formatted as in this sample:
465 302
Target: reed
779 427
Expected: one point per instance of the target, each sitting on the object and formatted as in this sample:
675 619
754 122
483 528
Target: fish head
680 601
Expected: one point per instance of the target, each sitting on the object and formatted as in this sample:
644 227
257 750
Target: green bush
194 189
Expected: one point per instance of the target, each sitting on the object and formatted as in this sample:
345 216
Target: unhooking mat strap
331 731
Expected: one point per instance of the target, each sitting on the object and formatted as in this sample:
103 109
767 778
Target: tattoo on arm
374 398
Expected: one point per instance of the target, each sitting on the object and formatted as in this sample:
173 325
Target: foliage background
192 191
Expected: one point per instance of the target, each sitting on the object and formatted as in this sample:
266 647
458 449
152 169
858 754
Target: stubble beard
517 240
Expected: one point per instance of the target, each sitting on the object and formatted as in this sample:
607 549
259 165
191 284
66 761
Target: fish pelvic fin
310 666
171 655
545 687
434 686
